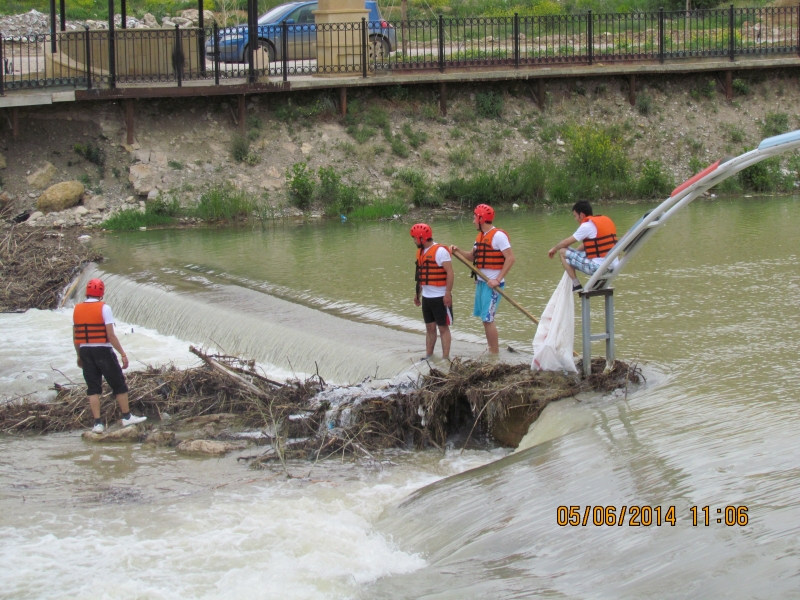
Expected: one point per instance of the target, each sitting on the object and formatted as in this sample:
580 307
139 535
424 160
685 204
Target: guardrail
105 58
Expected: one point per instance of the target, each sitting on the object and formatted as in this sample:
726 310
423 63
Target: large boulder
43 176
208 447
149 20
60 196
194 16
143 178
160 438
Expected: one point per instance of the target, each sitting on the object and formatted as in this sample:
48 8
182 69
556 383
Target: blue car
301 35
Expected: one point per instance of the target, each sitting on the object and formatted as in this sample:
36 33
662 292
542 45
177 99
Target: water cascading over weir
295 339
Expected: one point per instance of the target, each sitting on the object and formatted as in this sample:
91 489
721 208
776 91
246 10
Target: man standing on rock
434 277
95 341
597 235
492 254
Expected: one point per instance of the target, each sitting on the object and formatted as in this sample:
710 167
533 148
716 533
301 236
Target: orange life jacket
89 327
599 246
428 272
484 256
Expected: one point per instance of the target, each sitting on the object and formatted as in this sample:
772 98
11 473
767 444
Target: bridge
118 63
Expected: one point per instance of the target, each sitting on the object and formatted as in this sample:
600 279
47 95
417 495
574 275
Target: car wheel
378 50
266 47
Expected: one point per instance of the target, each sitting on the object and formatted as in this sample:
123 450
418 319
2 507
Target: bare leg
94 404
430 338
492 337
444 331
122 399
567 267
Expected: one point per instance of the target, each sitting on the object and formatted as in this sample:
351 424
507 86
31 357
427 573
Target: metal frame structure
629 244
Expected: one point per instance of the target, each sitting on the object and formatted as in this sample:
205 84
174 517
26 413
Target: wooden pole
480 274
129 120
343 101
443 98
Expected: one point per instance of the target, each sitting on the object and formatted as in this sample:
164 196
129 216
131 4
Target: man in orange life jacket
598 235
492 254
434 277
94 338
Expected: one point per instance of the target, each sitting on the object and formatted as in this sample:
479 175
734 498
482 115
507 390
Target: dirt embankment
184 146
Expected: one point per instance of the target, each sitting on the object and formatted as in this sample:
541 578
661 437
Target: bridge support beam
242 114
443 98
14 121
539 94
586 328
343 101
129 122
729 85
632 89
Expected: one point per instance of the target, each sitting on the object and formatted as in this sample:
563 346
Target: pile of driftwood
309 419
37 265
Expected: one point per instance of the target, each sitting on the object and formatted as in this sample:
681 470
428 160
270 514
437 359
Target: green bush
526 182
94 154
301 185
644 104
416 139
224 203
240 148
775 124
489 105
360 133
380 209
764 176
162 207
707 90
598 153
399 147
460 156
741 87
335 196
175 164
654 182
421 192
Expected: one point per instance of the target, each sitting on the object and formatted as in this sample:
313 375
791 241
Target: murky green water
710 307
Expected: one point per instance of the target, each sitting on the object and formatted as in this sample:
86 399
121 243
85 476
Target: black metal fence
106 58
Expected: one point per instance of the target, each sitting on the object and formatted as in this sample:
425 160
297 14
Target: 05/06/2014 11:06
645 516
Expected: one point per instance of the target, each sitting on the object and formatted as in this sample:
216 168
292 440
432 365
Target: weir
296 339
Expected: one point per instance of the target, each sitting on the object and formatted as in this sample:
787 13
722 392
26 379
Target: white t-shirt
588 230
500 242
437 291
108 317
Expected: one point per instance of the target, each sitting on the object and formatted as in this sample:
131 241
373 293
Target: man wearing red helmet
492 254
94 337
434 277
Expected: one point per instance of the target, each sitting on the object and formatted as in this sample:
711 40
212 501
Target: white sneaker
98 428
132 420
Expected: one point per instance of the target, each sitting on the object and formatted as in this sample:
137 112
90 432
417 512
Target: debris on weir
226 400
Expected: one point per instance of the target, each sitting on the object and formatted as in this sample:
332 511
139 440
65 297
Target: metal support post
177 56
123 14
201 38
731 38
540 97
88 58
215 33
284 50
363 47
252 36
610 329
2 68
112 58
590 35
343 101
586 335
443 98
729 85
441 43
63 10
53 26
661 35
516 40
586 328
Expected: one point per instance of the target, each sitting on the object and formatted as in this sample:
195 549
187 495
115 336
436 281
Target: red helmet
485 213
95 288
421 233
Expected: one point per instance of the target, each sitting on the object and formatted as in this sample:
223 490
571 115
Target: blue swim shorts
486 301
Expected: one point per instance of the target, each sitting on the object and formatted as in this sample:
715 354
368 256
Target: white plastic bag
552 344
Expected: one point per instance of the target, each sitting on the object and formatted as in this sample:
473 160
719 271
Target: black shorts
433 309
99 362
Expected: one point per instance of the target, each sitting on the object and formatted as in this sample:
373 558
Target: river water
709 308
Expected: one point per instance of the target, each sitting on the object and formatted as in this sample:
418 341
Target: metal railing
106 58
